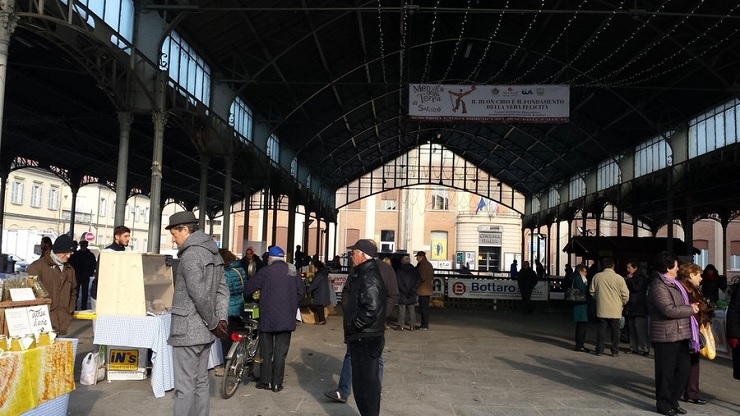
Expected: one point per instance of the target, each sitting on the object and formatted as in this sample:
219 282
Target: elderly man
610 292
199 312
280 289
364 325
59 280
426 274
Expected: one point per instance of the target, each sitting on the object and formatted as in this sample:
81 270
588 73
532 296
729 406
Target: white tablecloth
147 332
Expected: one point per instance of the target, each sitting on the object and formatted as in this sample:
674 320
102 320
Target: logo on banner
458 288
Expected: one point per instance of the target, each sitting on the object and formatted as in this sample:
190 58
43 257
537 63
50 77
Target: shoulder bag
574 295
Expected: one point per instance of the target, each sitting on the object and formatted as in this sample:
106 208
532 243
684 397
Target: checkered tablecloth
147 332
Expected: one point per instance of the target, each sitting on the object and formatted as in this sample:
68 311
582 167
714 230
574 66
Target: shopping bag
89 373
708 348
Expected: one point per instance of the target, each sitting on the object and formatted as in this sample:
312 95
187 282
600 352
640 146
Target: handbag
574 294
706 340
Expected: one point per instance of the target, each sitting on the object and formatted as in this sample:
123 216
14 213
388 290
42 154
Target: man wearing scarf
59 281
673 331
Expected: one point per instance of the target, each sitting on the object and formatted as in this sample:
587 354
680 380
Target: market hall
203 105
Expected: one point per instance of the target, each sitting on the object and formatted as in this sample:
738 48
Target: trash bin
10 266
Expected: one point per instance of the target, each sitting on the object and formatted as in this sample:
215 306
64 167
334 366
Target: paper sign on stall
28 320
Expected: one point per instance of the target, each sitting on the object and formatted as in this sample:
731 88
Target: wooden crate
8 304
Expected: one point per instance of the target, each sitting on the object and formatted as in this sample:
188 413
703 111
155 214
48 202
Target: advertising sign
123 360
490 103
492 289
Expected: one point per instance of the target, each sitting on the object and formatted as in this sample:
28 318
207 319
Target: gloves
221 330
733 342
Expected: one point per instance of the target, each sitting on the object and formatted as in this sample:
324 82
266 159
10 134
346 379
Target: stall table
149 332
38 381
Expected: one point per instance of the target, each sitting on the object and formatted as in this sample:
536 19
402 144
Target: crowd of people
661 307
664 307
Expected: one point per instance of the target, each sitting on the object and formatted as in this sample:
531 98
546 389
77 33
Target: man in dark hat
59 281
364 325
426 274
281 288
199 312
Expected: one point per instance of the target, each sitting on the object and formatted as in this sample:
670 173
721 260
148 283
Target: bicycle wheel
233 371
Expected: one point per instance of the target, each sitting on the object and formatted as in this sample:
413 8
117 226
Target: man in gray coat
199 312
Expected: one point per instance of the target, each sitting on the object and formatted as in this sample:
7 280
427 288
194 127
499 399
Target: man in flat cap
281 288
364 325
199 312
59 281
426 274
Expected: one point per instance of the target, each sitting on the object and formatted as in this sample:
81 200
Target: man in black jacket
364 325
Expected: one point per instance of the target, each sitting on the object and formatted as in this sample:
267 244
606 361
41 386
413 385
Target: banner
492 289
490 103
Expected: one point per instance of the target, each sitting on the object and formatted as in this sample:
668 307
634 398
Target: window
387 241
102 206
576 188
388 204
241 119
36 195
145 215
440 199
16 192
273 149
714 129
702 259
53 198
652 156
735 255
186 68
608 175
128 212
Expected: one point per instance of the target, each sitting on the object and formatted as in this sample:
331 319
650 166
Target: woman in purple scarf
673 332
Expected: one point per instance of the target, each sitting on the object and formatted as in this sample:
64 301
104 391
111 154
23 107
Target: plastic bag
708 349
89 373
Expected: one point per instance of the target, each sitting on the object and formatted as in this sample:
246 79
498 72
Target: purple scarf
694 346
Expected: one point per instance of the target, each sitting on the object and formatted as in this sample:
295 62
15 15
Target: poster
438 249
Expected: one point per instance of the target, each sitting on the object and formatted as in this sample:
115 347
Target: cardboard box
308 317
133 284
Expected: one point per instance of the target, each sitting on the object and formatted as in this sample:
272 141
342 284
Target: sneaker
336 396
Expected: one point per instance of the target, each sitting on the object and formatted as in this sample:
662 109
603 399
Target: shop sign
123 360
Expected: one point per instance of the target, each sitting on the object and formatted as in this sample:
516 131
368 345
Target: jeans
424 310
273 350
365 354
402 315
345 376
614 326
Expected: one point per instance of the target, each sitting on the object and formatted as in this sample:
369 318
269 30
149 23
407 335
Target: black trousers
614 327
581 328
273 350
424 310
671 373
83 286
319 311
365 353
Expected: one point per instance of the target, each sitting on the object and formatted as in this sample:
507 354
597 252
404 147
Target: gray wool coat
201 296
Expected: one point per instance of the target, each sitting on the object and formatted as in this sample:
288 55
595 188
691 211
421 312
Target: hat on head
250 248
421 253
366 246
63 244
276 251
179 218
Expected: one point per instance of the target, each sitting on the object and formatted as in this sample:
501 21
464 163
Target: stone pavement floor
469 363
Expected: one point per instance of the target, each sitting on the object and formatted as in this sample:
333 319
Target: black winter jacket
637 305
408 281
364 306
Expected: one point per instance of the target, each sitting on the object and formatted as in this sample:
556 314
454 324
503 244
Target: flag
481 205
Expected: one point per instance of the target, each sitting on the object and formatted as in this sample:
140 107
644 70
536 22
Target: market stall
37 381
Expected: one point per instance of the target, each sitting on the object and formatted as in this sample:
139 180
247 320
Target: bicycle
241 356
